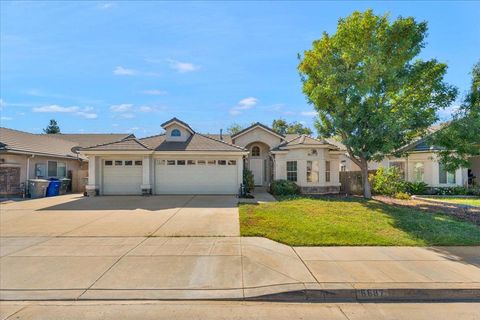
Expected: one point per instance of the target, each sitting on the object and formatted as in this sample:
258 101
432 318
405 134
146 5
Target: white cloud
447 113
106 5
244 104
6 118
127 115
121 71
155 92
124 107
87 114
308 113
55 108
182 67
145 109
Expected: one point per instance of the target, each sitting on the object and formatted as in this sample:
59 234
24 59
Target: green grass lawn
470 201
352 222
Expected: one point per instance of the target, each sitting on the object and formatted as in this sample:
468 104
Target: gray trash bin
64 186
37 188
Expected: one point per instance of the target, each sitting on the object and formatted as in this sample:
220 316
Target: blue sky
129 66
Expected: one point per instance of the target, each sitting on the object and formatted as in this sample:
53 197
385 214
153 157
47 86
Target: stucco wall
184 134
475 167
257 134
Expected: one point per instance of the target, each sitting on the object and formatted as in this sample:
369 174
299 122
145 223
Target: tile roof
92 139
166 123
303 140
225 137
15 140
131 144
196 142
253 126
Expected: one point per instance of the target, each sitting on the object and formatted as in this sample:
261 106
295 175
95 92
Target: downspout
27 175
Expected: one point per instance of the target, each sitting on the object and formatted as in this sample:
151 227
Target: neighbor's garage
197 176
122 176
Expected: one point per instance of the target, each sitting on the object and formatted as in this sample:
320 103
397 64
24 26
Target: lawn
474 201
352 222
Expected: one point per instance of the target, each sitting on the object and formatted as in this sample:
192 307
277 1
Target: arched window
175 133
256 151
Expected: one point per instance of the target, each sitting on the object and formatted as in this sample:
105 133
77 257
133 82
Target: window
313 152
128 162
139 162
175 133
56 169
327 171
52 168
108 162
180 162
190 162
212 162
445 177
201 162
232 162
400 165
343 166
170 162
256 151
222 162
418 171
312 171
292 170
118 162
161 162
40 170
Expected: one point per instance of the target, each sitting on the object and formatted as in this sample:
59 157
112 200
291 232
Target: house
183 161
420 163
26 156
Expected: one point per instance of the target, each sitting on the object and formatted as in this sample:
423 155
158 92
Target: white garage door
122 177
196 176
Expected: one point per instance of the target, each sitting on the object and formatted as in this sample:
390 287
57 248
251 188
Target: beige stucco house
183 161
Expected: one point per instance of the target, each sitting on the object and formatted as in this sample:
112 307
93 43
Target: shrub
456 190
416 187
248 181
387 181
284 188
402 196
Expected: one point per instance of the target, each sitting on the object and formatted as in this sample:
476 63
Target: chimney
221 135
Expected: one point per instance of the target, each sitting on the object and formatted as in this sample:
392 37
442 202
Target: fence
351 181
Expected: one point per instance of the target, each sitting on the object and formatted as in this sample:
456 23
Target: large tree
234 128
460 139
281 126
52 127
367 88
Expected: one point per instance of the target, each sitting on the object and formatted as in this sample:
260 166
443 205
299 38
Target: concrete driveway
75 215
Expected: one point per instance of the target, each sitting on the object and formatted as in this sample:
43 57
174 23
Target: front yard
352 222
471 201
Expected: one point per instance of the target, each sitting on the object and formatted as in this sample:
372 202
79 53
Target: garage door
196 176
122 177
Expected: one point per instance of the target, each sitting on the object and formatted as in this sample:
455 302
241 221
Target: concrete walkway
85 268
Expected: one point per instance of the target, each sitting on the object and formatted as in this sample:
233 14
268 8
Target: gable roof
41 144
131 144
420 144
196 142
304 140
257 125
92 139
180 122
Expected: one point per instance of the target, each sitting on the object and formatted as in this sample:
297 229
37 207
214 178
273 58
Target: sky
105 67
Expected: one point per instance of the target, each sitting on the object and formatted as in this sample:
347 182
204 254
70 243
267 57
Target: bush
284 188
387 181
248 181
416 187
454 191
402 196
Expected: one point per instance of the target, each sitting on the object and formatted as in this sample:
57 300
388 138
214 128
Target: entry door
256 166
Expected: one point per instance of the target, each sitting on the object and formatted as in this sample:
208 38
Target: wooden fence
351 181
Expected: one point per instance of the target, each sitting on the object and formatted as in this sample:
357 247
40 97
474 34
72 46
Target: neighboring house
182 161
26 156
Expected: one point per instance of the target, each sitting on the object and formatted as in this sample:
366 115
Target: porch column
146 184
92 187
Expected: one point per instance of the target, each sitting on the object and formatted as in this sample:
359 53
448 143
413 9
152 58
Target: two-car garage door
196 176
122 177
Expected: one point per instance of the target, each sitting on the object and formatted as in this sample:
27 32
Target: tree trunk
367 192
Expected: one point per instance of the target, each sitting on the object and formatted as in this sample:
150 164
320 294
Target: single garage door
196 176
122 177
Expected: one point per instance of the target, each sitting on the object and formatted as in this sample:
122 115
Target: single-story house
26 156
183 161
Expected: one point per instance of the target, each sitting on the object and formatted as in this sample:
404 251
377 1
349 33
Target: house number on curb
372 293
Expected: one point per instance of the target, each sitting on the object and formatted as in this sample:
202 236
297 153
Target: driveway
117 216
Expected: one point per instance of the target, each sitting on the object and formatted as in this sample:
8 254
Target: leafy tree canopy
367 88
461 137
281 126
234 128
52 127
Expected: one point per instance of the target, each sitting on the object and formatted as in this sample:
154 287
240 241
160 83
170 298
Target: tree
460 139
367 89
234 128
52 127
281 126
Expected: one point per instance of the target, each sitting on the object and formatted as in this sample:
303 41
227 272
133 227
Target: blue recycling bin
53 188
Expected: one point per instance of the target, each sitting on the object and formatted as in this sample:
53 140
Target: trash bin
65 182
37 188
53 188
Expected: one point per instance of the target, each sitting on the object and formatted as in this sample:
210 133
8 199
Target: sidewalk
122 268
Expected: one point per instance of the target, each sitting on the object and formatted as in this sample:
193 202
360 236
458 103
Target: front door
256 166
